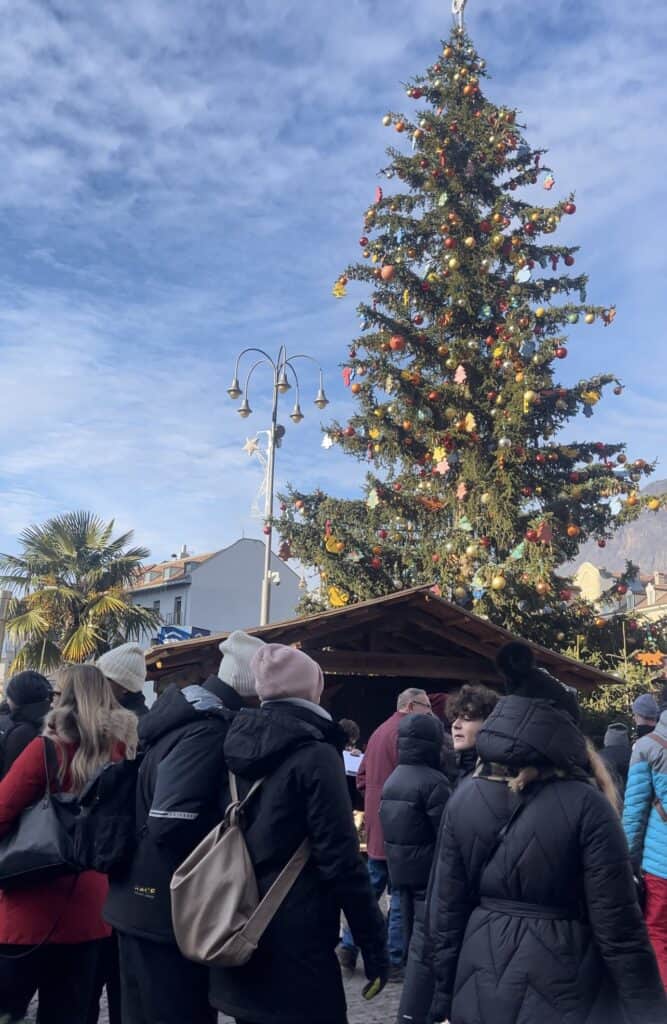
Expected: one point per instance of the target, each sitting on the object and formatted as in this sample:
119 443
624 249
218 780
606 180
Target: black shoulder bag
41 845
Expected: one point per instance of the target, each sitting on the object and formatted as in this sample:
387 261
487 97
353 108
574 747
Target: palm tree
70 591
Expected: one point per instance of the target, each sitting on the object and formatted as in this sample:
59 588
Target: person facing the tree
28 696
413 800
646 713
379 761
125 668
467 710
533 913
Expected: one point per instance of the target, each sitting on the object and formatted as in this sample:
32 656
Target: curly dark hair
472 702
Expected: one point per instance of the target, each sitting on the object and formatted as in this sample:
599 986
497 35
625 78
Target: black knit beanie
28 688
523 678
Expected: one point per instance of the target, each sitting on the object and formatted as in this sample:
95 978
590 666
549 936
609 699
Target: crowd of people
525 874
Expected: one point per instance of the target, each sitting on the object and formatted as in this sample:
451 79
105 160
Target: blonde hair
599 772
89 716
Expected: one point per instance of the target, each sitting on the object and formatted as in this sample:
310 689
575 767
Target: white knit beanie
125 665
237 652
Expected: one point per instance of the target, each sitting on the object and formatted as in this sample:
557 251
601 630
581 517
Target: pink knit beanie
282 672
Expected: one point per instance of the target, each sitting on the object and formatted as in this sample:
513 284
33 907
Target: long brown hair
87 714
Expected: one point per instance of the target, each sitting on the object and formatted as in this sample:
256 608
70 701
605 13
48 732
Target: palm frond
82 642
43 656
28 624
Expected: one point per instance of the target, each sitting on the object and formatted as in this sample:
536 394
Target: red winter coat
379 761
75 901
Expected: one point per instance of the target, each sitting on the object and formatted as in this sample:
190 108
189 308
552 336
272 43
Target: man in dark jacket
293 744
616 754
28 697
413 800
180 798
532 908
379 761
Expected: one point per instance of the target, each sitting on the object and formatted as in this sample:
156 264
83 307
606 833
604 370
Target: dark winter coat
616 755
413 799
294 977
549 929
18 728
180 798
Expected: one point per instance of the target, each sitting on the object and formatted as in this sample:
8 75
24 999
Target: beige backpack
216 911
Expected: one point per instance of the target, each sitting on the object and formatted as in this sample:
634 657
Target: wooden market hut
371 651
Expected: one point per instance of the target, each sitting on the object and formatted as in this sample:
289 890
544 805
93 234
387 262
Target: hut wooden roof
411 634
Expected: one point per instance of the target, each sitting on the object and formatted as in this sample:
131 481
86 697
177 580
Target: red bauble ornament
602 543
349 432
382 534
450 243
435 559
418 319
570 208
396 343
531 535
526 491
363 242
266 529
540 458
569 261
485 226
561 352
376 563
433 396
387 273
565 595
621 589
417 94
485 542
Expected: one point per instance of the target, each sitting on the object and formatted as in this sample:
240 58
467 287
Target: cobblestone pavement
381 1010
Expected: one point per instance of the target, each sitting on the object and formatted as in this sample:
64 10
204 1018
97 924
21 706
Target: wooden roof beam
403 666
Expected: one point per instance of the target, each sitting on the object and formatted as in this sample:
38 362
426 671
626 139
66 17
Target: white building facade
216 591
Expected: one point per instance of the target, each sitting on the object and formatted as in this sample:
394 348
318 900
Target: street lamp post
282 367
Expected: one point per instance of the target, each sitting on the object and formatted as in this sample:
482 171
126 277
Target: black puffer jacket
294 977
18 728
134 702
413 799
550 929
181 795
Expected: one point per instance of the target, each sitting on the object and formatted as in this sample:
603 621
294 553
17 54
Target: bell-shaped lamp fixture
296 415
244 409
283 384
321 400
234 389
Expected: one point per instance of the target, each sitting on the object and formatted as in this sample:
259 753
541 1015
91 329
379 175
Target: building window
178 606
156 606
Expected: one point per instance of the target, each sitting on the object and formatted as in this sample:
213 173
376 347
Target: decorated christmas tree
455 379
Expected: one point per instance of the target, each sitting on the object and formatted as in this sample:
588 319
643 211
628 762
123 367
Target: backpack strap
236 806
657 803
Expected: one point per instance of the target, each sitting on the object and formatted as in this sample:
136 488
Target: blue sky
181 180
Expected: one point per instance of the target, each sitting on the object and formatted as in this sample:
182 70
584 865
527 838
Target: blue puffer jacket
647 780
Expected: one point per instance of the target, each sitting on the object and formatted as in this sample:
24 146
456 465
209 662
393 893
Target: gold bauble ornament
590 318
498 583
485 498
471 551
453 263
653 504
469 242
460 593
540 312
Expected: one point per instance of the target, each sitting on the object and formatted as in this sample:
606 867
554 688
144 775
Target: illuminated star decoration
251 445
461 491
372 500
327 441
442 467
549 182
460 377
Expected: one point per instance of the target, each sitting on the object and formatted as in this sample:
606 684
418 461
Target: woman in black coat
294 976
533 915
413 801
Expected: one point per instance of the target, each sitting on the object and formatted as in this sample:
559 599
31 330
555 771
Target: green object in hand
372 988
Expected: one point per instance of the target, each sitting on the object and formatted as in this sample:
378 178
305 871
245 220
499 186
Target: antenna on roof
184 552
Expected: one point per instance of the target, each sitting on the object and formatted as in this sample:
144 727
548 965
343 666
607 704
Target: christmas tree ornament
397 343
373 500
590 318
653 504
498 583
386 120
338 597
542 587
387 272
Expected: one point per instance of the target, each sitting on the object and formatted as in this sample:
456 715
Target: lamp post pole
282 367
